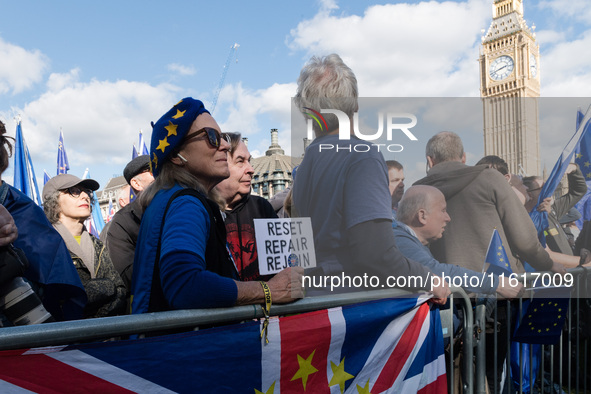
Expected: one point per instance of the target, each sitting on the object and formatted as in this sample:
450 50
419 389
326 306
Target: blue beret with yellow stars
171 129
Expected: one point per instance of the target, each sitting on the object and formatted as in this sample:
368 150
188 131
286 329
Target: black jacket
121 237
240 234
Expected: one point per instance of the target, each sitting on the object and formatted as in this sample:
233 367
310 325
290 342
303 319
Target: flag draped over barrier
392 346
63 166
24 174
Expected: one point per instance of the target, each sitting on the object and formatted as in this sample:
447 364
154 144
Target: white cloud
245 106
20 69
428 48
565 68
549 37
57 82
577 9
181 70
100 121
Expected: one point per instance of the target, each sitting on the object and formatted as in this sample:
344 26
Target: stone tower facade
510 88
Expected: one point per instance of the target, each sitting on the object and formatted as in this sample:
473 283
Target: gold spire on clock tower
509 87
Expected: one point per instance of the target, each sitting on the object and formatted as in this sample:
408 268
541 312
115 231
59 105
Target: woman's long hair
171 174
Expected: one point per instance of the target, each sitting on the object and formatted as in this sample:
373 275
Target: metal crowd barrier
573 371
64 333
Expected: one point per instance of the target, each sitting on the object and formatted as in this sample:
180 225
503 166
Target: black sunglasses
214 137
75 191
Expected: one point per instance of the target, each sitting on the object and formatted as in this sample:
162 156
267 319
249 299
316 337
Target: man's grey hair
234 138
327 83
445 146
409 205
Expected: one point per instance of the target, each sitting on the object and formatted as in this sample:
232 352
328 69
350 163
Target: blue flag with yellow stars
62 158
496 256
540 219
543 316
583 159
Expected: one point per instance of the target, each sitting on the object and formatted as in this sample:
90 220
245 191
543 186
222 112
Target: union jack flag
385 346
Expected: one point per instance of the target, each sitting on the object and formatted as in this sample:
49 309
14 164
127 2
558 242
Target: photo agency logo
392 123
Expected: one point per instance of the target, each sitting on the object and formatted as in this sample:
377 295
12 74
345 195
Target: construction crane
233 50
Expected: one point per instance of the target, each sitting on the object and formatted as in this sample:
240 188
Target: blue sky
102 71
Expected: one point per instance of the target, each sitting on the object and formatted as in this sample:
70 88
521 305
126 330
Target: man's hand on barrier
440 291
8 230
286 286
558 268
585 258
505 289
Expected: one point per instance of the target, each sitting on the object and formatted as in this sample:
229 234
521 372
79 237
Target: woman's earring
182 158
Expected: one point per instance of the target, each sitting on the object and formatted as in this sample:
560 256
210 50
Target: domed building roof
272 172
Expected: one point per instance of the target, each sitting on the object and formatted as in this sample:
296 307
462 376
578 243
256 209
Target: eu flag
544 316
46 177
540 219
496 256
583 159
24 174
62 158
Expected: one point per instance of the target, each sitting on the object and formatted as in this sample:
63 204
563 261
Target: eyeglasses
75 191
214 137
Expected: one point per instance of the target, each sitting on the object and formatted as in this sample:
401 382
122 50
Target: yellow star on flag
587 164
171 128
155 160
578 156
365 389
588 175
306 369
163 144
339 375
270 391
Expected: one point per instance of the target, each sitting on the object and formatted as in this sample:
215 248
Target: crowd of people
187 239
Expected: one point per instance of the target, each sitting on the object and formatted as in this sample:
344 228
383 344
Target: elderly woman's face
206 162
75 203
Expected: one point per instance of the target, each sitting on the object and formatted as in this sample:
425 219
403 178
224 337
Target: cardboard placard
283 243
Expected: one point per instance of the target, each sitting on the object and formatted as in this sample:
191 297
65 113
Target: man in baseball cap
120 234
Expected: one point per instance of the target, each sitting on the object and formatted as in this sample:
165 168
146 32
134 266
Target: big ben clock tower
509 87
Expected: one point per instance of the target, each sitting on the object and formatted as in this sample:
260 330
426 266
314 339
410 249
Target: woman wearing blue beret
181 259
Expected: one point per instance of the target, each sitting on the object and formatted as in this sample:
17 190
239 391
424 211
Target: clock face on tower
501 67
533 66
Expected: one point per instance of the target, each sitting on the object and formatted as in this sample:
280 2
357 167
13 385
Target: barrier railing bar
451 370
480 327
495 358
468 343
63 333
